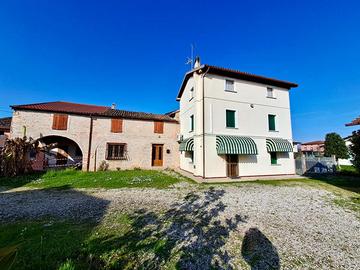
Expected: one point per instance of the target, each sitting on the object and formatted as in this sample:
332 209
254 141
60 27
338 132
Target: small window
271 120
116 125
273 157
159 127
230 119
192 123
115 151
60 121
191 93
270 92
229 85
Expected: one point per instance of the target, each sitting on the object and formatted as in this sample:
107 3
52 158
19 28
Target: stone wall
137 134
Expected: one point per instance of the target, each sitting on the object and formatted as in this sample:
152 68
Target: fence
308 165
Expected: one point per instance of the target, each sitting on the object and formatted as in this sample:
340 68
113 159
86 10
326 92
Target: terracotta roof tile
138 115
313 143
232 73
64 107
354 122
84 109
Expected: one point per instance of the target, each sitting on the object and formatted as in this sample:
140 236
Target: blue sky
133 53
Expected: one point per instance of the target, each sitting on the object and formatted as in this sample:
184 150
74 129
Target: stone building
88 135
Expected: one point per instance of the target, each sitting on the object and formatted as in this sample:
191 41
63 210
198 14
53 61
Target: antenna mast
190 60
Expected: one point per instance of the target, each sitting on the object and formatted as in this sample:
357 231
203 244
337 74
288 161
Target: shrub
14 156
104 166
355 149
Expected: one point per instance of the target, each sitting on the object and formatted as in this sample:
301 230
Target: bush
104 166
355 149
14 156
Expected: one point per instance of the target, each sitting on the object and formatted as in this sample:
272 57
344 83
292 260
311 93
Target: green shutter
230 119
271 122
273 158
192 123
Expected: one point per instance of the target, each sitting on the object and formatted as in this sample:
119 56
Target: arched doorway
57 152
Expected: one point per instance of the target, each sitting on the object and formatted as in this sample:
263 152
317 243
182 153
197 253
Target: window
271 120
270 92
60 121
192 123
230 119
273 157
115 151
191 93
158 127
116 125
229 85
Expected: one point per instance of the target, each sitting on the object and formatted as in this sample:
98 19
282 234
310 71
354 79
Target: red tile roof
313 143
62 107
237 75
354 122
5 124
84 109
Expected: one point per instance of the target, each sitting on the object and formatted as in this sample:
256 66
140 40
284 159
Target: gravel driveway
262 226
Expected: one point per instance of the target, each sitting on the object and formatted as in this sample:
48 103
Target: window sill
276 165
191 131
232 128
272 97
191 99
273 131
231 91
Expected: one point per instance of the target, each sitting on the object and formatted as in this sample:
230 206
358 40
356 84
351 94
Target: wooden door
232 166
157 155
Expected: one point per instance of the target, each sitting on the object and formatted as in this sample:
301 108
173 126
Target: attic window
229 86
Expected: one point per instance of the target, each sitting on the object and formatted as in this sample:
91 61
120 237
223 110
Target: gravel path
266 227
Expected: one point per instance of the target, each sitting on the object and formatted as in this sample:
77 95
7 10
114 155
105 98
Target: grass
107 179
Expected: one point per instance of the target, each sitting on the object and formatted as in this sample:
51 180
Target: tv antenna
190 60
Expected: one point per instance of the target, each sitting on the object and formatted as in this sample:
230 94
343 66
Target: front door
232 166
157 155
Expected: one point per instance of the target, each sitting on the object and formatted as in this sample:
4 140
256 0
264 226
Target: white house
234 124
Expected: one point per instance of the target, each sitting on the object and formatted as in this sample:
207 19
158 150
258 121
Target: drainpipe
203 119
90 141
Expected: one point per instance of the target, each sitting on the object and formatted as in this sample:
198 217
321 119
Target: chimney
113 106
197 62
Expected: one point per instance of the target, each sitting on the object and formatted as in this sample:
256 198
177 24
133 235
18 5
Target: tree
14 156
355 149
335 145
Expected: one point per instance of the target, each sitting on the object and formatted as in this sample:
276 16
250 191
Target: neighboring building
354 122
234 124
5 124
313 149
348 161
88 135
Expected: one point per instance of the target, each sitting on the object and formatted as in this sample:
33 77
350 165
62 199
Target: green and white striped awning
235 145
187 145
278 145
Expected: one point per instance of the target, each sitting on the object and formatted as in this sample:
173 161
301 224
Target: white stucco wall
252 107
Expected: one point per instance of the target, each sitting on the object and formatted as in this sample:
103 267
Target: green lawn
107 179
120 241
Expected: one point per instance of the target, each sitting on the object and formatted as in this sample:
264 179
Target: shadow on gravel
258 251
188 236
